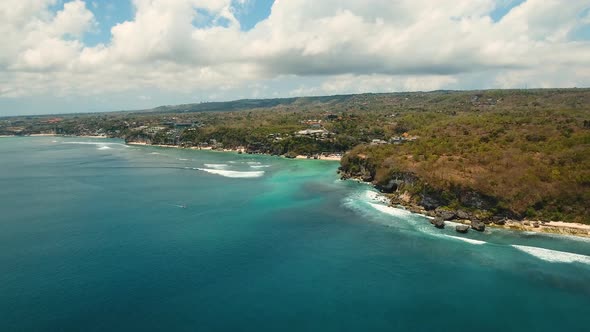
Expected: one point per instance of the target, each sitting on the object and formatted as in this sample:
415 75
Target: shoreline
538 226
54 135
525 225
332 157
237 150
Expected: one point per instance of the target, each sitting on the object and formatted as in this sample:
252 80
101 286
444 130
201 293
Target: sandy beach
552 227
242 150
582 227
321 157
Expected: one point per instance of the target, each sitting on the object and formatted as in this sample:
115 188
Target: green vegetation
528 155
498 152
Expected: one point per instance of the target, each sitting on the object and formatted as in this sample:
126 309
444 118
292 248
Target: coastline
535 226
54 135
548 227
237 150
551 227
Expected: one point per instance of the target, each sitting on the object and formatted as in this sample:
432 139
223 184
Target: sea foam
554 256
233 174
376 197
396 212
260 166
216 166
104 148
464 239
95 143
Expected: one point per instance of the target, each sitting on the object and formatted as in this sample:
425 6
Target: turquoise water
99 236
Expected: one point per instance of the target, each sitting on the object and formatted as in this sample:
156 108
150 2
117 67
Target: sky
70 56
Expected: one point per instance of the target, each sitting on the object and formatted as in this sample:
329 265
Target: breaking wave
216 166
95 143
464 239
554 256
375 196
104 148
233 174
260 166
369 202
392 211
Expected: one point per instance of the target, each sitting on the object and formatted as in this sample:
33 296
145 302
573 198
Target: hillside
490 154
500 154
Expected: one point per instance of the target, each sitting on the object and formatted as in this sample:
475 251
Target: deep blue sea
99 236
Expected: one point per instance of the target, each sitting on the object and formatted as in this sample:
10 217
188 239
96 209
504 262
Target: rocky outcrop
476 200
478 225
499 220
409 190
389 187
462 229
445 214
438 223
432 201
464 215
357 166
396 181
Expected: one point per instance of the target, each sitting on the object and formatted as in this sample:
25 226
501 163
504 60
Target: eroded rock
438 222
478 225
462 229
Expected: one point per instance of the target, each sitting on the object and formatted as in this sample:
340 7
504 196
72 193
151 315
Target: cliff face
407 189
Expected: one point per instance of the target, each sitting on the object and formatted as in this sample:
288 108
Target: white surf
554 256
233 174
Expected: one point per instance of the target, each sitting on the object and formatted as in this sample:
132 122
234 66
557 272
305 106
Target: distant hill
246 104
419 99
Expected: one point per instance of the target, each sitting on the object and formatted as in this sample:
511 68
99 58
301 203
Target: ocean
96 235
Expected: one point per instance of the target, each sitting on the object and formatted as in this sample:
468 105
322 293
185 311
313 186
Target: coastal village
184 130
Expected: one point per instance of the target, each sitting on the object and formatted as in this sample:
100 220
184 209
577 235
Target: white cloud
345 45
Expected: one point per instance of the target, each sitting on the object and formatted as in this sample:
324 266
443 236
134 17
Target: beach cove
177 239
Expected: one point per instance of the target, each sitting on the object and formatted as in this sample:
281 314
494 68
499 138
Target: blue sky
59 56
109 13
